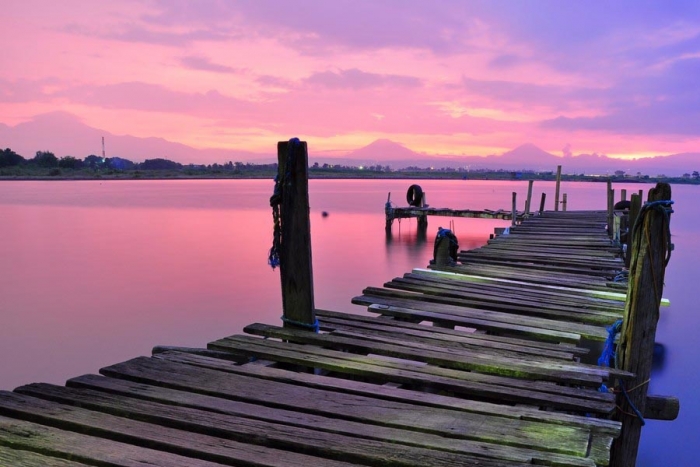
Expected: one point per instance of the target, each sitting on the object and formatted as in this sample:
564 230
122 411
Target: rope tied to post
607 355
315 326
282 180
664 207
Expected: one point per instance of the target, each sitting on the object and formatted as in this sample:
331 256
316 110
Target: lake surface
94 273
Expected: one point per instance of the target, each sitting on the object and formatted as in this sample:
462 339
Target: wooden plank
451 311
523 305
212 436
385 332
22 458
52 442
515 366
328 383
371 424
538 347
382 371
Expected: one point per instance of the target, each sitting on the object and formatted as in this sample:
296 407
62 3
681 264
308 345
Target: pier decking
478 364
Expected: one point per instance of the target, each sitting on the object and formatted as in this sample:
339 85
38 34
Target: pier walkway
477 364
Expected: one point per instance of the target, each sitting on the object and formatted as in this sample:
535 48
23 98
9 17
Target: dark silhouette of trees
70 162
9 158
45 159
159 164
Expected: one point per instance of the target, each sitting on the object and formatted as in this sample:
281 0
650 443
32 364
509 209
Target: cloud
358 79
197 62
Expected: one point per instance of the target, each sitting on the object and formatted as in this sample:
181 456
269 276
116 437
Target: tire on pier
414 195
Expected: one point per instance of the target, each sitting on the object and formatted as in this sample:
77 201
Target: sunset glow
441 78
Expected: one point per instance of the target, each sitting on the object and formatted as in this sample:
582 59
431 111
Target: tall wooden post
514 212
556 190
611 202
646 283
529 197
563 202
295 247
635 206
388 213
542 200
623 195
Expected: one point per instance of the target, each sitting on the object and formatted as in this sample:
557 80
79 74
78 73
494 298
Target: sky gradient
441 77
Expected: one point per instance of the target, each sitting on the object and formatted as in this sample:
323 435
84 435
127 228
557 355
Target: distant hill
64 134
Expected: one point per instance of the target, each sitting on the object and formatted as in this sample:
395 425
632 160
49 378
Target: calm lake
95 273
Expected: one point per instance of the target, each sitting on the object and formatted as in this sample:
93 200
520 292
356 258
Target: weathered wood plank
489 386
513 343
52 442
374 391
23 458
528 368
221 438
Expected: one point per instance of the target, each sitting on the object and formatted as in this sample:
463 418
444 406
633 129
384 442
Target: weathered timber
295 249
556 188
650 243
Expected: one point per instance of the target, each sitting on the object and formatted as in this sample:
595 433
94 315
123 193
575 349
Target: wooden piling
514 210
529 197
556 191
542 200
295 248
611 202
623 195
563 202
636 348
388 213
635 206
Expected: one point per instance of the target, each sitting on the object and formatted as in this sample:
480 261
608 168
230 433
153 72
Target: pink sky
441 77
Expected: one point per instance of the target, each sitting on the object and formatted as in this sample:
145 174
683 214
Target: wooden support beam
388 213
623 195
635 206
611 203
662 408
542 200
529 197
295 247
636 348
556 190
563 203
514 210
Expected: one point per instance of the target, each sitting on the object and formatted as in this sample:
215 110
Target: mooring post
611 197
563 202
514 212
623 194
650 253
542 200
635 206
556 190
423 219
529 197
388 213
295 246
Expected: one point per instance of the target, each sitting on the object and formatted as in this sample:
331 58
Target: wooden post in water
556 190
295 247
388 213
542 200
623 195
529 197
611 197
650 244
563 202
635 206
514 212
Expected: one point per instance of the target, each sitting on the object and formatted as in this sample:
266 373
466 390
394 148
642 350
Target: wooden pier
481 363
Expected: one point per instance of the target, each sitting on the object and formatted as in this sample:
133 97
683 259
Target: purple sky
440 77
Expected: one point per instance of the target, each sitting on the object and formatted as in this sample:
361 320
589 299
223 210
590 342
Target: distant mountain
64 134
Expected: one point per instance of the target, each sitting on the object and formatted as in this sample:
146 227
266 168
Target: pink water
99 272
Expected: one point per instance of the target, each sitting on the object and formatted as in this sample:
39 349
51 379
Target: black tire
620 205
414 195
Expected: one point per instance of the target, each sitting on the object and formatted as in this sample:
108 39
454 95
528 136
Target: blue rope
609 347
273 256
315 326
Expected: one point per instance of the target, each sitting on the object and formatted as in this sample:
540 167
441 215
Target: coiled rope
281 181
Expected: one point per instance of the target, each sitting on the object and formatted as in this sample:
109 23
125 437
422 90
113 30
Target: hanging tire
414 195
